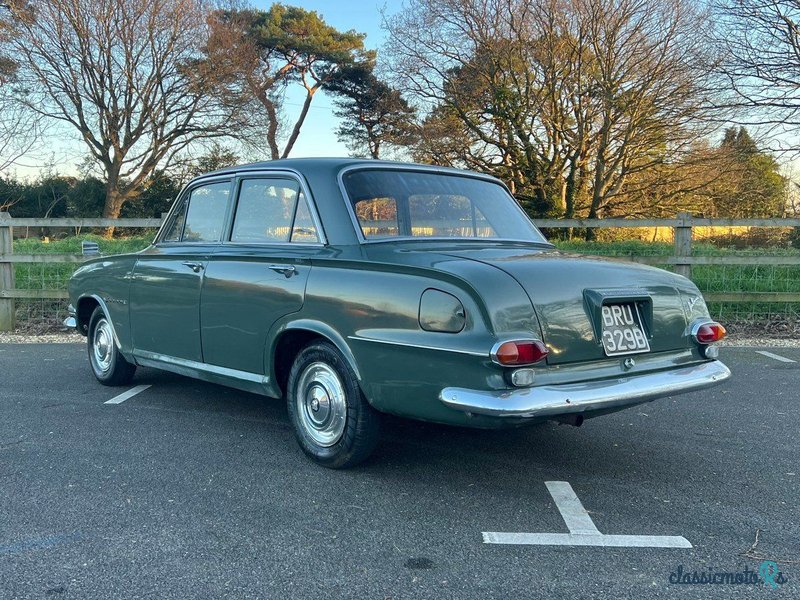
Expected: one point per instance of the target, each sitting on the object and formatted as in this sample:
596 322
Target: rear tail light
519 352
708 333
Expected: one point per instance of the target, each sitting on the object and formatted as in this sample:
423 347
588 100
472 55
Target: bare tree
760 43
564 99
126 75
19 128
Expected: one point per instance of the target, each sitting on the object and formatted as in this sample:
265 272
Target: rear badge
628 364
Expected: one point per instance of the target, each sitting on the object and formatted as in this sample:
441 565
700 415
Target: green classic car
354 288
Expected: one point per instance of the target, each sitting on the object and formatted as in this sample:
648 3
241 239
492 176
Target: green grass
709 278
719 278
72 245
635 247
42 276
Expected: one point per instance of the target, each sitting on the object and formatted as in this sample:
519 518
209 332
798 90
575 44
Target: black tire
332 435
108 365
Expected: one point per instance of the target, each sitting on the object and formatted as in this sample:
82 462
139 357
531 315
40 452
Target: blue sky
63 151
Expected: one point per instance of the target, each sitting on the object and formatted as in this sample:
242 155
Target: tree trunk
300 120
599 185
571 188
272 128
113 206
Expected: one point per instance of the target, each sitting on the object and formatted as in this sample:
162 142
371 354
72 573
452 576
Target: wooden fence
682 260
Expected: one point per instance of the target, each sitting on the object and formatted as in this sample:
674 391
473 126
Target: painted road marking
125 395
569 539
39 544
775 356
582 530
575 516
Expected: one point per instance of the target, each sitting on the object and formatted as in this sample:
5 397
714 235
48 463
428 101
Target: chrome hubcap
103 345
321 404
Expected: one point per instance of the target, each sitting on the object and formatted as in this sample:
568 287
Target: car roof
330 165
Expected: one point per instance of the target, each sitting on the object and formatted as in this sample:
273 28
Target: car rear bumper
589 396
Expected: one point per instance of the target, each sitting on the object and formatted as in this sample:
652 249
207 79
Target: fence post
7 308
683 243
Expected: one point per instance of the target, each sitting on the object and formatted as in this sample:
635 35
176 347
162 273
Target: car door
260 274
168 276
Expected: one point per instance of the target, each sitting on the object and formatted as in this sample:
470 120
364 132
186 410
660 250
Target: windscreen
404 203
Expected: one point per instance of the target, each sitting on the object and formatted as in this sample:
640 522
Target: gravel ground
761 341
49 338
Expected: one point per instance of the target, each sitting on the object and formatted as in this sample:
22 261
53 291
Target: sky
63 152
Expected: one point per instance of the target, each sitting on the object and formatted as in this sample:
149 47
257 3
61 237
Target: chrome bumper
554 400
71 322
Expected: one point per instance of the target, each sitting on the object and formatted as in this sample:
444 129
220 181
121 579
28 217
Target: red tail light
519 352
708 333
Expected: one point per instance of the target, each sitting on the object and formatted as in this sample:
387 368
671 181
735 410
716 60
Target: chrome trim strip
379 166
282 244
554 400
156 360
410 345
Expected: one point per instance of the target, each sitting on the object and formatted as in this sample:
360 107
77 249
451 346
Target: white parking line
572 539
582 530
775 356
575 516
125 395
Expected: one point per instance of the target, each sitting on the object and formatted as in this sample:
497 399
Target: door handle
286 270
194 266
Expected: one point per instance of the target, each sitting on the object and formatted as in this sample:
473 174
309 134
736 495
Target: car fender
293 322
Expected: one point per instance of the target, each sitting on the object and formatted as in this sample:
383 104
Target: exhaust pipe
575 420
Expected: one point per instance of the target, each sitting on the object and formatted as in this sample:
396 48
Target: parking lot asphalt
191 490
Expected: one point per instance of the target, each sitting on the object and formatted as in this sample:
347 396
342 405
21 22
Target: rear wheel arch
292 338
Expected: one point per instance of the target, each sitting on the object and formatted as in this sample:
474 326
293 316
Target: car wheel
108 365
333 422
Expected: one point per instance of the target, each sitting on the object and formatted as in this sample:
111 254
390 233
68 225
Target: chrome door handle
194 266
286 270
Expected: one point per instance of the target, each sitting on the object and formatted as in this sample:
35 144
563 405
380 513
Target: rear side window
202 216
378 217
272 210
428 204
447 215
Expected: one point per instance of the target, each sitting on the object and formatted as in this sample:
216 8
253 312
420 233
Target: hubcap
321 404
103 345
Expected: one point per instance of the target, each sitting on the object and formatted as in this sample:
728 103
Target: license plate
622 330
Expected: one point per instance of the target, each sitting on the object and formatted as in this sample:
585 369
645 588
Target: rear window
391 203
